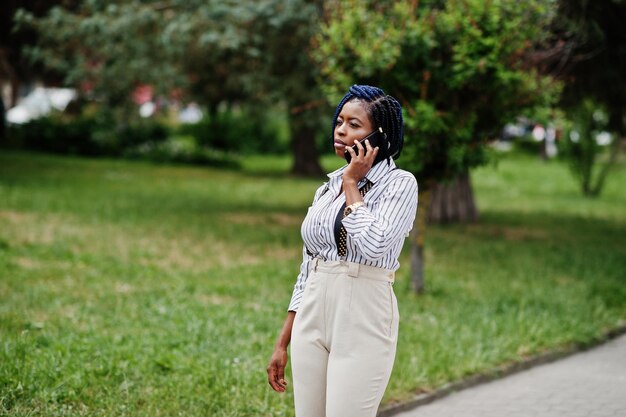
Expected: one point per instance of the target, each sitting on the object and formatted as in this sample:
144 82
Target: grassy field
128 289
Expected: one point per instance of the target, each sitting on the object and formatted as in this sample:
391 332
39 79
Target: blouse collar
375 174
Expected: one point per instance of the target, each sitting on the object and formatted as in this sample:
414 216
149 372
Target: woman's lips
339 144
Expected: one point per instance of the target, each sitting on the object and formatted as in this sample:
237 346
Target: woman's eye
354 125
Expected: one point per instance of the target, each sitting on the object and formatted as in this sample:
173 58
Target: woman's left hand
360 164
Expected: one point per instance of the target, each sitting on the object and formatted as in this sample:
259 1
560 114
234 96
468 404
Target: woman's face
353 123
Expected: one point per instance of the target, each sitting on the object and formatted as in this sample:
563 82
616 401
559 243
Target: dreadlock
384 112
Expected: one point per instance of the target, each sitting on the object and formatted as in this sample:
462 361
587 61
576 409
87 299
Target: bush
241 132
528 145
91 135
116 141
588 147
183 149
53 134
212 141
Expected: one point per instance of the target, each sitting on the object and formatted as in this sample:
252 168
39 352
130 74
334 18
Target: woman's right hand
276 369
360 164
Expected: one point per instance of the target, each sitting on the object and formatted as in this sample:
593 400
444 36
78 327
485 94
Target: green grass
130 289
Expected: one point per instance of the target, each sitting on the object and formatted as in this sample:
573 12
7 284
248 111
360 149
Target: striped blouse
376 231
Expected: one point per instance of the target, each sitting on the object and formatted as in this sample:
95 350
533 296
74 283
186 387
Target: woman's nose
340 129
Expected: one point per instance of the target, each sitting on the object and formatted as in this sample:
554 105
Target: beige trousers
343 341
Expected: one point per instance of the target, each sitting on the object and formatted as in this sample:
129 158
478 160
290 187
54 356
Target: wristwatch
352 208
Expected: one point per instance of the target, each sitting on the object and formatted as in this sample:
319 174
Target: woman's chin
340 152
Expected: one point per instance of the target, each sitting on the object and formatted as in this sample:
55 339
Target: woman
343 316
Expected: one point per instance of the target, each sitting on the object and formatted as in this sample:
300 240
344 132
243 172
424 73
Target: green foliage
588 53
213 52
52 134
589 160
242 132
130 289
96 48
457 67
213 140
182 149
84 134
97 134
218 53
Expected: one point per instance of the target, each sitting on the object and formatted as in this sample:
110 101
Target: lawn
131 289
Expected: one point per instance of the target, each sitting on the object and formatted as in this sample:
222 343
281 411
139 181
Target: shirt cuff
358 220
295 300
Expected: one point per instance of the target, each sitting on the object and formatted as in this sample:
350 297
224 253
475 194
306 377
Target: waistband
353 269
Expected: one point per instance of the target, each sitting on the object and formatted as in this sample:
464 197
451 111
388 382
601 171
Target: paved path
588 384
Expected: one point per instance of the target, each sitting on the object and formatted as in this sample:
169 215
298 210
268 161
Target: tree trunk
2 120
417 243
453 202
305 157
596 189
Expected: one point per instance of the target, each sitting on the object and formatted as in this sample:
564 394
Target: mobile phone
376 138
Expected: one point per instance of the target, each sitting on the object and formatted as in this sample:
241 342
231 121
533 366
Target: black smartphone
376 138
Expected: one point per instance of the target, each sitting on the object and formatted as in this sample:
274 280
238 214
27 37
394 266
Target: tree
587 51
105 50
592 56
458 68
14 68
293 74
585 142
216 52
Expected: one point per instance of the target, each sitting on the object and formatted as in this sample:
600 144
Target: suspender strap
340 232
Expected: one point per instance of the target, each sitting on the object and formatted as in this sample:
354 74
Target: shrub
183 149
241 131
212 141
585 143
53 134
92 135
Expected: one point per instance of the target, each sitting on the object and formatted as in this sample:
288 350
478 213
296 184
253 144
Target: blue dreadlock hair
384 111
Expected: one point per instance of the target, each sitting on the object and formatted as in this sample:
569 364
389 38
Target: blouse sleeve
298 289
390 218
